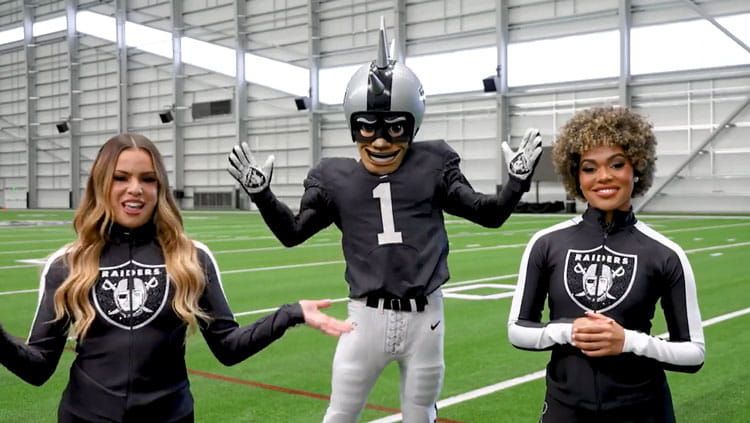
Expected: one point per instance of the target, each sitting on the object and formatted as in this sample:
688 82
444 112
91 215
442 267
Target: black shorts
659 410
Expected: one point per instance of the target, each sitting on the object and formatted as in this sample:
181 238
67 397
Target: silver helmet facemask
384 89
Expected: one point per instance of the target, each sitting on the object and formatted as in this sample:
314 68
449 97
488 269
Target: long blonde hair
92 221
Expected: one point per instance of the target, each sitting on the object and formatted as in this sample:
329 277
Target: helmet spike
382 60
393 51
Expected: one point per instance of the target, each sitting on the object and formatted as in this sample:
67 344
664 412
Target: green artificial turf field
487 380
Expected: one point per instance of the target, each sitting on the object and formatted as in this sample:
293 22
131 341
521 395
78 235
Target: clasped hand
597 335
521 163
245 170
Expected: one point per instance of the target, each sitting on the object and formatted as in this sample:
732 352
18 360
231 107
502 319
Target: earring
636 179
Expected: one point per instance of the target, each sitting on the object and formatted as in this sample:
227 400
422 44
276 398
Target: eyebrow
608 159
395 119
125 172
365 120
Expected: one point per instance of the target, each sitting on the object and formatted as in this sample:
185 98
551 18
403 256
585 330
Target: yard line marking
724 317
325 263
43 241
476 393
23 291
340 300
278 247
45 250
21 266
717 247
493 247
286 266
703 228
490 389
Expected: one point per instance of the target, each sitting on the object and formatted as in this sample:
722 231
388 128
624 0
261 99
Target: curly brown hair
610 126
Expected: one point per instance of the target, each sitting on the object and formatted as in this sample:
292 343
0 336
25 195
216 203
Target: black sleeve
228 341
525 327
684 351
485 209
35 361
682 314
289 228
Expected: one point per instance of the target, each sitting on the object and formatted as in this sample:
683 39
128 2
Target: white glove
521 163
246 171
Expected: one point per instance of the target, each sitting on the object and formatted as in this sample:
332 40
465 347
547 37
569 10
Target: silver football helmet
384 85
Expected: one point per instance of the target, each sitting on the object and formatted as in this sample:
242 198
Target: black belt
398 304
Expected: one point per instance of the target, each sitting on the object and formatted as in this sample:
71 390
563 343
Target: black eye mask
379 124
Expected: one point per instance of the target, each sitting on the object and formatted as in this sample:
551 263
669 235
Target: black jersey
620 270
393 233
131 364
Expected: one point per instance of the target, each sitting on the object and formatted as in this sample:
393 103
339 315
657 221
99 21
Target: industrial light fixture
166 116
62 127
490 84
302 103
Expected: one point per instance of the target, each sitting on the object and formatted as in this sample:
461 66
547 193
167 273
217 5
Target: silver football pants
413 339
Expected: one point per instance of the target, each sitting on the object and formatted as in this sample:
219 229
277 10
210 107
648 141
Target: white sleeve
677 353
541 337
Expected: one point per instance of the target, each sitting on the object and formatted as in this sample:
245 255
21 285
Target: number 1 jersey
393 233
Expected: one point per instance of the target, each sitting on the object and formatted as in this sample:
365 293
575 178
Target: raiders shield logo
130 295
600 278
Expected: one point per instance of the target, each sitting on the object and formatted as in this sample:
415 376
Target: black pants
64 416
659 410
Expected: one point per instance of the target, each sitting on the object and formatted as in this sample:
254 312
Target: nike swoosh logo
432 327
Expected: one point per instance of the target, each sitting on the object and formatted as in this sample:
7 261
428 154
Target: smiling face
606 179
382 140
134 188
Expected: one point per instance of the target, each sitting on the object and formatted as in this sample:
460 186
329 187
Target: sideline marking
506 291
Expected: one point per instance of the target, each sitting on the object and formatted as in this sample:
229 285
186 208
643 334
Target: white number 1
389 234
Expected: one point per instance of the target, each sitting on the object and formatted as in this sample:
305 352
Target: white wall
685 107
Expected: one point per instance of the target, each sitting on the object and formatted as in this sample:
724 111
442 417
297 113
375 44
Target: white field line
703 228
40 262
476 393
286 266
23 291
339 300
325 263
717 247
330 244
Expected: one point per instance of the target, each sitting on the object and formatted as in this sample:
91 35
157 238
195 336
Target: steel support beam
625 19
696 7
178 108
240 84
313 47
121 16
709 139
32 119
502 119
74 103
399 29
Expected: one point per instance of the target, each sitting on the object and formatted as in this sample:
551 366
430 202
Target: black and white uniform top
621 269
130 367
393 233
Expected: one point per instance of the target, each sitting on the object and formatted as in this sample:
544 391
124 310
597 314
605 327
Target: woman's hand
321 321
597 335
